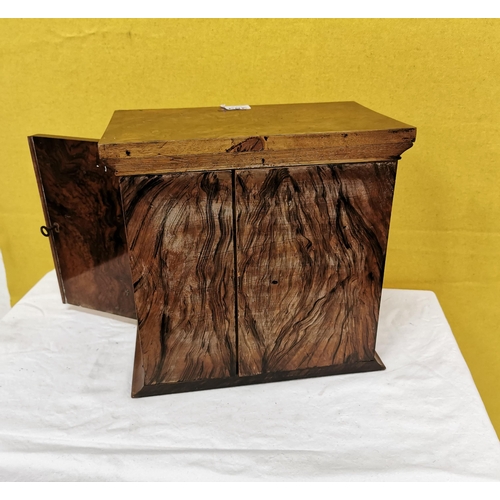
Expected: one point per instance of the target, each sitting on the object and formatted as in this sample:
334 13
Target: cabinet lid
174 140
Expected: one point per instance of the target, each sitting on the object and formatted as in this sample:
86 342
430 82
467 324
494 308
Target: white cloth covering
66 411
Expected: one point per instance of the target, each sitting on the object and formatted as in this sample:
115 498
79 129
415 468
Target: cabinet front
311 247
308 244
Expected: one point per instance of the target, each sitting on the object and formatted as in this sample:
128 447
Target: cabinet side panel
311 244
84 201
179 229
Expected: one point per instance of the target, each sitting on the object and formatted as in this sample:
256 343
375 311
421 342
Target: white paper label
234 108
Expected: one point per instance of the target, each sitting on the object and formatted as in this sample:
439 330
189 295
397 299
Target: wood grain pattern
361 366
180 234
89 251
211 124
256 239
271 144
139 142
311 245
263 159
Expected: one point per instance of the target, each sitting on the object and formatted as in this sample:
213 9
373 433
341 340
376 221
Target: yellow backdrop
67 77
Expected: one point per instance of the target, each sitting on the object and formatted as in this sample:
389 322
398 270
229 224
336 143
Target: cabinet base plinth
140 390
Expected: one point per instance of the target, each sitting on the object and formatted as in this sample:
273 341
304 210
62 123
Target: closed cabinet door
180 237
310 254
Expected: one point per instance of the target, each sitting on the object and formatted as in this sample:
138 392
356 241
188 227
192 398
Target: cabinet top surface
155 141
188 124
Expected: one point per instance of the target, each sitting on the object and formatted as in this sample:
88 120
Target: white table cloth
66 411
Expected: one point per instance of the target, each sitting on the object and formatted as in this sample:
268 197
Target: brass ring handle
46 230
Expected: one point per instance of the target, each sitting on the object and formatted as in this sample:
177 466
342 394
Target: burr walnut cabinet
249 244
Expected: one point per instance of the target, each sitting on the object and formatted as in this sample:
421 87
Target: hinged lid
175 140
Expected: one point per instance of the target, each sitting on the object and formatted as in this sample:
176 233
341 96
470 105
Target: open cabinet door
84 222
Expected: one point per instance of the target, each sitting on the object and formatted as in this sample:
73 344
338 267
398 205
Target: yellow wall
68 76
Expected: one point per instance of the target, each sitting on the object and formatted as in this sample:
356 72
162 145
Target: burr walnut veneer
250 245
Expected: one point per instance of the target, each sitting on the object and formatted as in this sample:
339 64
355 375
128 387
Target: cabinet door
81 200
311 245
180 236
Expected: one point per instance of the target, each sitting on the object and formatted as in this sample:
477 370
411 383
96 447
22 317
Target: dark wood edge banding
138 375
235 259
139 390
31 142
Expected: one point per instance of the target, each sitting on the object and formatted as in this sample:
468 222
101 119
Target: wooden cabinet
255 239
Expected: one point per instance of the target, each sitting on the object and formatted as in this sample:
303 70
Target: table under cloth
66 413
